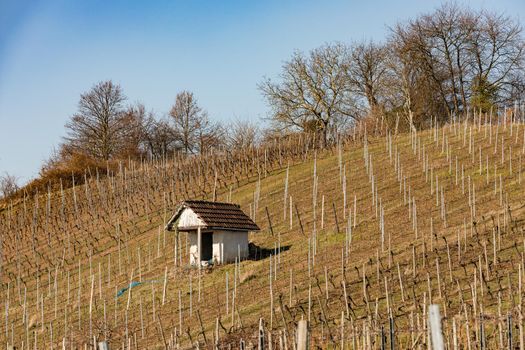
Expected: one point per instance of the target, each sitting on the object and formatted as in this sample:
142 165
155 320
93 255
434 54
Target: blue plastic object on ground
125 289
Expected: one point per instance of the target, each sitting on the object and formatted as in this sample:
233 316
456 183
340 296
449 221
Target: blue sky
52 51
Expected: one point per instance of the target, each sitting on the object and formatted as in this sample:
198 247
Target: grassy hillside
374 229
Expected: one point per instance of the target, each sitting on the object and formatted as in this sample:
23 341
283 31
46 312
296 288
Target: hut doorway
207 246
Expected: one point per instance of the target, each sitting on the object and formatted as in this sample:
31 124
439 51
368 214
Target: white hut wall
227 244
192 238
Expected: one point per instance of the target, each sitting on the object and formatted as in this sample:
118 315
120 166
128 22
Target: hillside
363 235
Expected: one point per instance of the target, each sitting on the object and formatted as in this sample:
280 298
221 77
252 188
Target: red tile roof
216 215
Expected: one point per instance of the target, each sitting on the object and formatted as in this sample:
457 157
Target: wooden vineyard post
346 298
227 294
165 285
203 332
269 220
271 296
161 330
434 322
302 335
342 330
335 217
215 187
392 333
260 337
216 345
285 191
180 311
291 217
383 338
91 306
298 218
322 212
291 288
199 246
103 345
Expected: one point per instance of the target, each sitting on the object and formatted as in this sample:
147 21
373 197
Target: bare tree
467 58
447 30
210 135
134 134
517 88
498 49
8 185
434 43
368 70
188 119
242 134
414 91
98 128
314 94
161 138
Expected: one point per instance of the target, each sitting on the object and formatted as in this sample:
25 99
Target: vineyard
357 239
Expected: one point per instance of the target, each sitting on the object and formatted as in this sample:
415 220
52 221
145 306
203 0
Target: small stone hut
217 232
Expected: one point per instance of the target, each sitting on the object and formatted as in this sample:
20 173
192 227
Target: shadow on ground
259 253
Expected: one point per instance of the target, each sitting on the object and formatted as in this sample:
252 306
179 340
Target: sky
52 51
